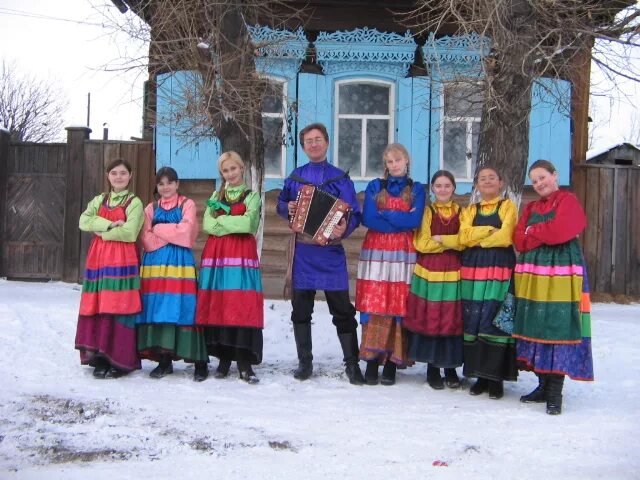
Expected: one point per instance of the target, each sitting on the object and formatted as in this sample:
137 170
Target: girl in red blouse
552 318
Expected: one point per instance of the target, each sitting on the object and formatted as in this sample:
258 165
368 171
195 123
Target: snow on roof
596 152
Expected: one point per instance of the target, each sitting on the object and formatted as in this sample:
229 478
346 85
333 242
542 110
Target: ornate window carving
365 49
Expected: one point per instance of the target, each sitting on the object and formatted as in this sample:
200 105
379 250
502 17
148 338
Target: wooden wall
34 198
611 198
43 190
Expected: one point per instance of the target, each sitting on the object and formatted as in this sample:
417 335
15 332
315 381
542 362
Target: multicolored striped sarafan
385 267
230 284
433 306
111 279
553 309
485 278
168 277
110 298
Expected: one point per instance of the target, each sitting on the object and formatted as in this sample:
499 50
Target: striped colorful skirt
168 279
553 312
382 285
112 337
383 339
108 306
434 306
384 273
166 324
111 279
230 285
485 280
434 310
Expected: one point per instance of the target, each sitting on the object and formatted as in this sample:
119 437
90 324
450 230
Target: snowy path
56 421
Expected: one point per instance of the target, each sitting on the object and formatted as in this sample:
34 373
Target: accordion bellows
317 213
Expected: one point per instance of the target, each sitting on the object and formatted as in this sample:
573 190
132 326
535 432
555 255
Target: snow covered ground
56 421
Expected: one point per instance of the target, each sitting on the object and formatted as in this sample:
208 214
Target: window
461 128
273 128
364 125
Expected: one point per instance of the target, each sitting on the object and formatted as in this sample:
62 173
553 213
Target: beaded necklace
445 220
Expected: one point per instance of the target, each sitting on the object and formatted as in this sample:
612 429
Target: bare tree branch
30 108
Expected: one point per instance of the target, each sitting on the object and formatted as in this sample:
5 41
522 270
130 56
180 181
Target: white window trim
362 117
469 139
283 147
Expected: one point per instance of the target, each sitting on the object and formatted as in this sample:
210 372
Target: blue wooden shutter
192 160
550 125
413 122
315 100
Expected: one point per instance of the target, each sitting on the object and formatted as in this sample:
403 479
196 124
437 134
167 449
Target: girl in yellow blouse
486 230
434 311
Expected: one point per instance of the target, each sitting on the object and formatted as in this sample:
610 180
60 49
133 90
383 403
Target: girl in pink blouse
168 280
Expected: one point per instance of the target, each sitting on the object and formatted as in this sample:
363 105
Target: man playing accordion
321 267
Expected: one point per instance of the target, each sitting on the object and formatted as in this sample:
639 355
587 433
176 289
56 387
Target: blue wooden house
365 90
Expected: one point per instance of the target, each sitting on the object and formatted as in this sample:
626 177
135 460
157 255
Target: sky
68 42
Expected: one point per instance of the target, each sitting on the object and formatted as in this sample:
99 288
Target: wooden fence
611 198
43 190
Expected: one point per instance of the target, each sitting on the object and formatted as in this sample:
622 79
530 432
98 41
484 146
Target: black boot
539 394
433 378
246 372
223 368
349 344
496 389
371 373
554 394
101 367
115 372
165 367
451 379
201 371
388 373
302 334
481 386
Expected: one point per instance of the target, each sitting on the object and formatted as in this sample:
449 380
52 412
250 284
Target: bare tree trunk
504 135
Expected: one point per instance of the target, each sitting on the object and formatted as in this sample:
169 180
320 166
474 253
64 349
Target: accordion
317 213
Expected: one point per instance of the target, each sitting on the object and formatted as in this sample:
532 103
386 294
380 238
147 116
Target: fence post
76 137
4 177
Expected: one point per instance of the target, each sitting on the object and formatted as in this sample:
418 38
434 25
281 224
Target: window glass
461 127
350 145
364 113
272 134
455 148
377 136
463 100
273 124
364 99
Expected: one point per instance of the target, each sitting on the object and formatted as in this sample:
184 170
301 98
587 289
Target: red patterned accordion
317 213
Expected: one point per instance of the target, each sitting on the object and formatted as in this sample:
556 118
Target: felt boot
371 373
433 378
349 344
539 394
302 334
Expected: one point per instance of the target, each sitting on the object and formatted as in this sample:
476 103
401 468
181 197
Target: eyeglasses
314 141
